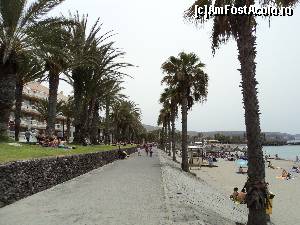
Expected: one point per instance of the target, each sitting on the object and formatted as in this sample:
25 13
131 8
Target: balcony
29 109
36 95
33 124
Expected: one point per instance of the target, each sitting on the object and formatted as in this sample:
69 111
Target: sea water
286 152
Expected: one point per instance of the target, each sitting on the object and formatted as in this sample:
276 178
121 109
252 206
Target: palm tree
112 95
67 111
83 45
162 120
42 106
242 29
171 99
166 114
186 76
96 64
51 46
126 119
17 17
29 70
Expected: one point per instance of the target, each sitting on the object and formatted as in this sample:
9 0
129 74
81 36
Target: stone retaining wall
24 178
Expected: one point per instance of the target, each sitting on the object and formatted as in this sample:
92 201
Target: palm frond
37 10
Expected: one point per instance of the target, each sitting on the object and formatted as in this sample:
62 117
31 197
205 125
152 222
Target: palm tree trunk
53 89
161 138
173 137
165 138
84 117
78 93
256 186
89 119
7 95
169 138
184 109
19 95
94 124
106 133
68 131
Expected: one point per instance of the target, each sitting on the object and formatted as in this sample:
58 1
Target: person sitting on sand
234 196
297 169
240 169
270 165
284 173
242 196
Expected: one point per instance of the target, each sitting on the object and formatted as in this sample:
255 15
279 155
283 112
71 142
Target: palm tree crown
188 81
186 76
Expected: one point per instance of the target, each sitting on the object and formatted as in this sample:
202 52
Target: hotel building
30 118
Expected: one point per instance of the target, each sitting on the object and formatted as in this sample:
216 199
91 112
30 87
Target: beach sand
287 192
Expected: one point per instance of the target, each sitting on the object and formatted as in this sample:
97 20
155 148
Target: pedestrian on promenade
151 152
139 150
27 135
147 150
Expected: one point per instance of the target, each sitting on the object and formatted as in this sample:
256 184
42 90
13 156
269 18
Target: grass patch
10 153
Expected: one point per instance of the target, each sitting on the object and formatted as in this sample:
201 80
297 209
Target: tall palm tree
17 17
96 59
242 29
171 98
51 46
185 74
126 118
111 96
162 120
29 70
68 112
83 45
166 114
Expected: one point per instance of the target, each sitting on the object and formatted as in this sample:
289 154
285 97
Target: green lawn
10 153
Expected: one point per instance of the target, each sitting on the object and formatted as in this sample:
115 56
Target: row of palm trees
187 84
242 29
36 47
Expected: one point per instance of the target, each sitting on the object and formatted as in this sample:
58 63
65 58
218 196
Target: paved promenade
125 192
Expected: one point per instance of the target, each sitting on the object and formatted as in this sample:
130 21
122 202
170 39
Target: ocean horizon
285 152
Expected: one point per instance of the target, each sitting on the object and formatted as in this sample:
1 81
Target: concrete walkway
124 192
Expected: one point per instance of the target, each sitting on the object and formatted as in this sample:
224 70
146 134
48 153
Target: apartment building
31 119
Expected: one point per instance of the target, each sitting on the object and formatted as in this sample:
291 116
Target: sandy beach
287 192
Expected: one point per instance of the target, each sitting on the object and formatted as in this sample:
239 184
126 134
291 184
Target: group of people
148 149
284 174
238 197
54 141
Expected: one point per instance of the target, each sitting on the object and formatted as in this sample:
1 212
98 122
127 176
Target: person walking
27 135
147 150
139 150
151 152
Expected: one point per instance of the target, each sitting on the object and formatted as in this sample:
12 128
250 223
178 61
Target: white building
31 118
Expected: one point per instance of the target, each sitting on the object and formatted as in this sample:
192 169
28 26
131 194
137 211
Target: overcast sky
151 31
